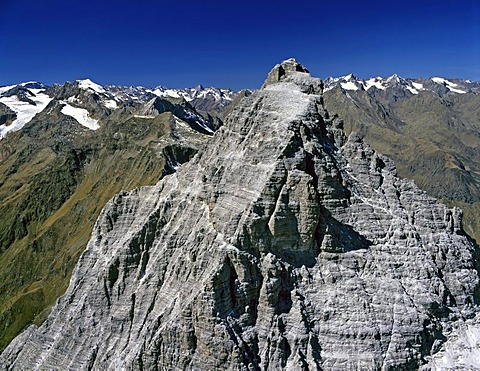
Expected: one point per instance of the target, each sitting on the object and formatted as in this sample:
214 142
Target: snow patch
181 123
25 111
450 85
81 115
418 86
288 100
110 104
73 100
349 85
439 80
412 90
456 90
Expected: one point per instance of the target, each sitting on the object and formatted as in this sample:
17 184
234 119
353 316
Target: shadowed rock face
6 115
283 244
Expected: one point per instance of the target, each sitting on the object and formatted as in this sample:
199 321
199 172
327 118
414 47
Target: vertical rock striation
284 244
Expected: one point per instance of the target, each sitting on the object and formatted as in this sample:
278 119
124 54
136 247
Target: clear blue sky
234 43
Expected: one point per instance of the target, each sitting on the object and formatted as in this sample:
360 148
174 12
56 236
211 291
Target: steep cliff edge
283 244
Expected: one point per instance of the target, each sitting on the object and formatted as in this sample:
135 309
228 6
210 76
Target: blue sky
234 44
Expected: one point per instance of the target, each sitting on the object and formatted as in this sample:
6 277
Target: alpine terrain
283 243
429 127
65 150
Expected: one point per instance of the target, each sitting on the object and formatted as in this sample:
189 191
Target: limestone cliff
283 244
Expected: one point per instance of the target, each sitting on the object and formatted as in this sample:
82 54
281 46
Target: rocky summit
282 244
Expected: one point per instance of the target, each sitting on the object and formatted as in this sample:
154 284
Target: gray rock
284 244
6 115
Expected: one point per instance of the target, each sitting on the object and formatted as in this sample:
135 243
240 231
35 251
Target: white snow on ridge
349 85
24 110
3 89
199 120
375 81
439 80
412 90
450 85
418 86
457 90
89 84
81 115
167 93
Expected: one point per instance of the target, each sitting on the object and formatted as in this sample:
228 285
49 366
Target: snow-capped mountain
88 102
19 104
439 85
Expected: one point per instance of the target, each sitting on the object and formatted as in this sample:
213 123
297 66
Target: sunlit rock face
283 244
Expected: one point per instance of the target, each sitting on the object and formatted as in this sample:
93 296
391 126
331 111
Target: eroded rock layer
283 244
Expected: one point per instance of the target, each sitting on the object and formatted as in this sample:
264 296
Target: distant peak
438 80
33 85
394 78
85 81
283 69
89 84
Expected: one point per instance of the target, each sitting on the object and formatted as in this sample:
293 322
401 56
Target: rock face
57 174
284 244
6 115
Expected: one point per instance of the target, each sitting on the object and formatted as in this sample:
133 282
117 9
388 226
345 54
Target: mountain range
405 87
303 244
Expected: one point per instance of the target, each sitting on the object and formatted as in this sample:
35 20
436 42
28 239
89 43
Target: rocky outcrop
182 110
283 244
6 115
460 350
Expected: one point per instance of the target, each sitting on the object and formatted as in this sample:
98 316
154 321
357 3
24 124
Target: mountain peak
89 84
350 76
282 70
